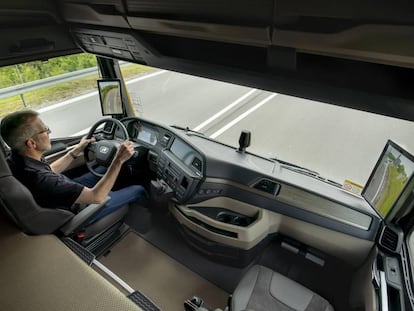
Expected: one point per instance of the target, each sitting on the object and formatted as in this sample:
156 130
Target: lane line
151 75
218 114
242 116
75 99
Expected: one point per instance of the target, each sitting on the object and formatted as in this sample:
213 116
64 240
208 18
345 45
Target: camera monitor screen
110 96
391 181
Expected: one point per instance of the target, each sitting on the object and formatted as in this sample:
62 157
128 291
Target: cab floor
157 226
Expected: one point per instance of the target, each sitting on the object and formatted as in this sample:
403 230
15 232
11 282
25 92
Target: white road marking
242 116
151 75
67 102
82 132
75 99
218 114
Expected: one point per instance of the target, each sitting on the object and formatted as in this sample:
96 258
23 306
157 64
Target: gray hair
16 128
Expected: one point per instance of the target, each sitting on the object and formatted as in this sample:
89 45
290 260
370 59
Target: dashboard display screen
182 151
147 135
391 179
110 97
142 132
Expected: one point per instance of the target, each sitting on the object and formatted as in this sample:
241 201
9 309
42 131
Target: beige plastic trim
308 201
351 249
247 237
323 207
362 291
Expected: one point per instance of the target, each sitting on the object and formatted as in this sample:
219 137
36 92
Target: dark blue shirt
49 189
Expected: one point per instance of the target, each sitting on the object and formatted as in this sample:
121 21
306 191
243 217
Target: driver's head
24 131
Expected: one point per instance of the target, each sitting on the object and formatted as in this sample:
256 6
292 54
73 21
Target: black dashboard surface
197 168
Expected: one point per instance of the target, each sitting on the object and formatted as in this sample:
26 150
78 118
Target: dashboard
204 177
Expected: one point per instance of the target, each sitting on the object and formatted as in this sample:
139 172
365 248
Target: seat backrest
17 202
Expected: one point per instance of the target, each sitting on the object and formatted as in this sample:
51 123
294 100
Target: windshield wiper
186 129
295 166
305 171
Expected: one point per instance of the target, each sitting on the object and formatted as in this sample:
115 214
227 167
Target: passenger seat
263 289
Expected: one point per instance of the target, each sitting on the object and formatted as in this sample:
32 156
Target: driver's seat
17 202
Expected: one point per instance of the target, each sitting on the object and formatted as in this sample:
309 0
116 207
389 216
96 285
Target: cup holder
234 218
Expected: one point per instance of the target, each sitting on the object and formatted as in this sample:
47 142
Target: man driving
28 137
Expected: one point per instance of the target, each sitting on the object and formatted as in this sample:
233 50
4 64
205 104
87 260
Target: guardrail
20 89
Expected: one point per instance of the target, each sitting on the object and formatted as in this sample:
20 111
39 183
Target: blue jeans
119 198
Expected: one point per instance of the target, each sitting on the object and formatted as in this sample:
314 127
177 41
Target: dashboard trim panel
290 207
289 198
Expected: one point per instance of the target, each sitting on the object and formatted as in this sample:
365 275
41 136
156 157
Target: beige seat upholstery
41 273
262 289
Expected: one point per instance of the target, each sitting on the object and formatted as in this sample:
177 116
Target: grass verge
63 91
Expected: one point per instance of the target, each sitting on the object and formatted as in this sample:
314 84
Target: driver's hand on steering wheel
82 145
125 151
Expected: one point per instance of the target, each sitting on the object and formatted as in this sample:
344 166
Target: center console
180 167
181 179
224 229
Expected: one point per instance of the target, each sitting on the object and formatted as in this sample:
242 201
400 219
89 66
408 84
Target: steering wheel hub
103 150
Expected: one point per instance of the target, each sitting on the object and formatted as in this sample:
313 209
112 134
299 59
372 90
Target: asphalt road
339 143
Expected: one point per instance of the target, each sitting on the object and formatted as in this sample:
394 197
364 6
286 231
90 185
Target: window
337 142
52 87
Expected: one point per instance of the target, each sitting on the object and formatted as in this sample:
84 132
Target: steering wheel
105 149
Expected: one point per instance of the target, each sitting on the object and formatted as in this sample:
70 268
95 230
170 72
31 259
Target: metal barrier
20 89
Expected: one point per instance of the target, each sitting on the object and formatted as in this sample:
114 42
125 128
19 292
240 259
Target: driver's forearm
100 191
62 163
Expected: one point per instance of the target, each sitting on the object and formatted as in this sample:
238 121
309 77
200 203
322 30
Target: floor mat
164 280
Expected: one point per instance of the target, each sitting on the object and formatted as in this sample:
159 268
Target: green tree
36 70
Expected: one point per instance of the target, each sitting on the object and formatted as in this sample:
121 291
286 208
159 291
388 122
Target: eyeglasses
46 130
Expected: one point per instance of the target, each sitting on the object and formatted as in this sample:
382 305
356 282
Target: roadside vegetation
396 181
23 73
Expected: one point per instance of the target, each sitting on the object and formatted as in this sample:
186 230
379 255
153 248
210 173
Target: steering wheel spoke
92 147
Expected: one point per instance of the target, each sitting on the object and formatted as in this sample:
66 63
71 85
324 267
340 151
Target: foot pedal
301 249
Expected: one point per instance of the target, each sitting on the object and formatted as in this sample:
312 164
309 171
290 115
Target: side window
62 89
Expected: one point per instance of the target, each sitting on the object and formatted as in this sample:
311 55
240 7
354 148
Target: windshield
339 143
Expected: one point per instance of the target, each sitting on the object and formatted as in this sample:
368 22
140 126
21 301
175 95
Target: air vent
197 164
268 186
391 239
